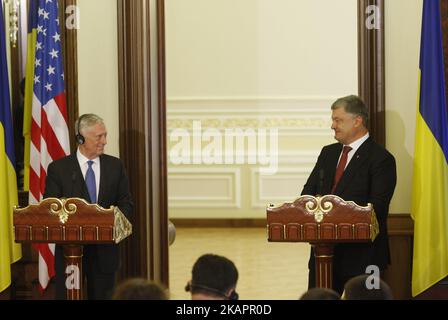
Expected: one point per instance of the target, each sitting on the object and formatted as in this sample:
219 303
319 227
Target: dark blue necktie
90 182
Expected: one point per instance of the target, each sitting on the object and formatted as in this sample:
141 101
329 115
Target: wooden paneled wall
371 66
399 273
141 60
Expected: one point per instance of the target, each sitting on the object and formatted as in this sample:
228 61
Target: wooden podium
72 223
323 222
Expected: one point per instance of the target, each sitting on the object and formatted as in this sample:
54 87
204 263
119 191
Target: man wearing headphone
97 178
213 278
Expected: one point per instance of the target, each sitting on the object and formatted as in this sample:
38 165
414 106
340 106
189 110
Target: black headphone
232 296
79 137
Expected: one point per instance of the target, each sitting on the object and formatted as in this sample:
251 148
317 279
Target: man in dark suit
360 170
98 178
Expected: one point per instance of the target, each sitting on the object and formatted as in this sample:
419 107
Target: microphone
320 183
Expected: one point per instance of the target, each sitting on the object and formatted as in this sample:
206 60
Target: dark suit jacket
65 180
370 177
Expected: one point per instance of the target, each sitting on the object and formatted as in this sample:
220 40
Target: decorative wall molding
303 158
292 116
294 168
307 158
229 178
284 186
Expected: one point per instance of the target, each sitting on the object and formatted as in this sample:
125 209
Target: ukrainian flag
29 89
430 182
9 251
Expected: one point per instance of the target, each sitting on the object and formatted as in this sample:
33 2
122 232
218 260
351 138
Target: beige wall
261 48
403 23
98 65
255 64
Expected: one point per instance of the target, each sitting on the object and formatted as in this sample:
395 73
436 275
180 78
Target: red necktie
341 166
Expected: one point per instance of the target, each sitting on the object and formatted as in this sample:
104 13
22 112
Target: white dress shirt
355 146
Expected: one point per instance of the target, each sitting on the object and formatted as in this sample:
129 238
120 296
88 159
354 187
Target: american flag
49 130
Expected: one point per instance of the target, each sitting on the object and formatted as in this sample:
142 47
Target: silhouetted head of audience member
213 278
365 287
320 294
139 289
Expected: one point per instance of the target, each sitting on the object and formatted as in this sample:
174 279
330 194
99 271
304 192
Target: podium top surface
326 218
71 220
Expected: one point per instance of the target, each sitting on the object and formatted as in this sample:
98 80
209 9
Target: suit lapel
357 160
330 169
79 184
103 178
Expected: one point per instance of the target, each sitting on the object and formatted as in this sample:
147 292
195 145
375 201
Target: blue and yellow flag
430 182
29 89
9 251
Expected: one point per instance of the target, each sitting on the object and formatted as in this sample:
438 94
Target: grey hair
354 105
87 120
